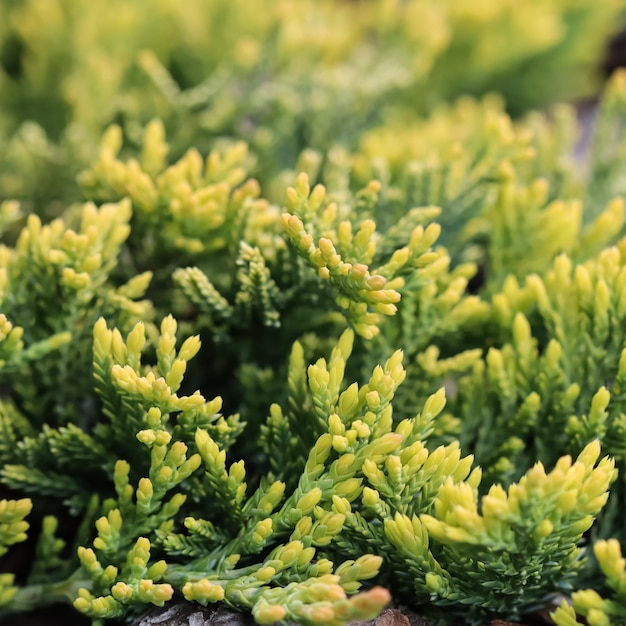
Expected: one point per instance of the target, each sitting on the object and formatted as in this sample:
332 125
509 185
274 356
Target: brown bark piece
191 614
187 614
184 614
392 617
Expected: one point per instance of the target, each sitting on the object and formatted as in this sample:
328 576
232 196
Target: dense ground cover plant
261 350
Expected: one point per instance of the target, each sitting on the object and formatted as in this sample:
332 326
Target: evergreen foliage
298 329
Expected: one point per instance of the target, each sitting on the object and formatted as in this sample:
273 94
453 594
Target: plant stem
37 596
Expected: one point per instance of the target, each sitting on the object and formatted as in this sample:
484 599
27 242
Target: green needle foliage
287 326
588 603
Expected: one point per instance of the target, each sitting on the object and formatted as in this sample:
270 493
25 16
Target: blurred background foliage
282 75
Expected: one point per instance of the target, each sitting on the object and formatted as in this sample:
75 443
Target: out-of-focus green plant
283 77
